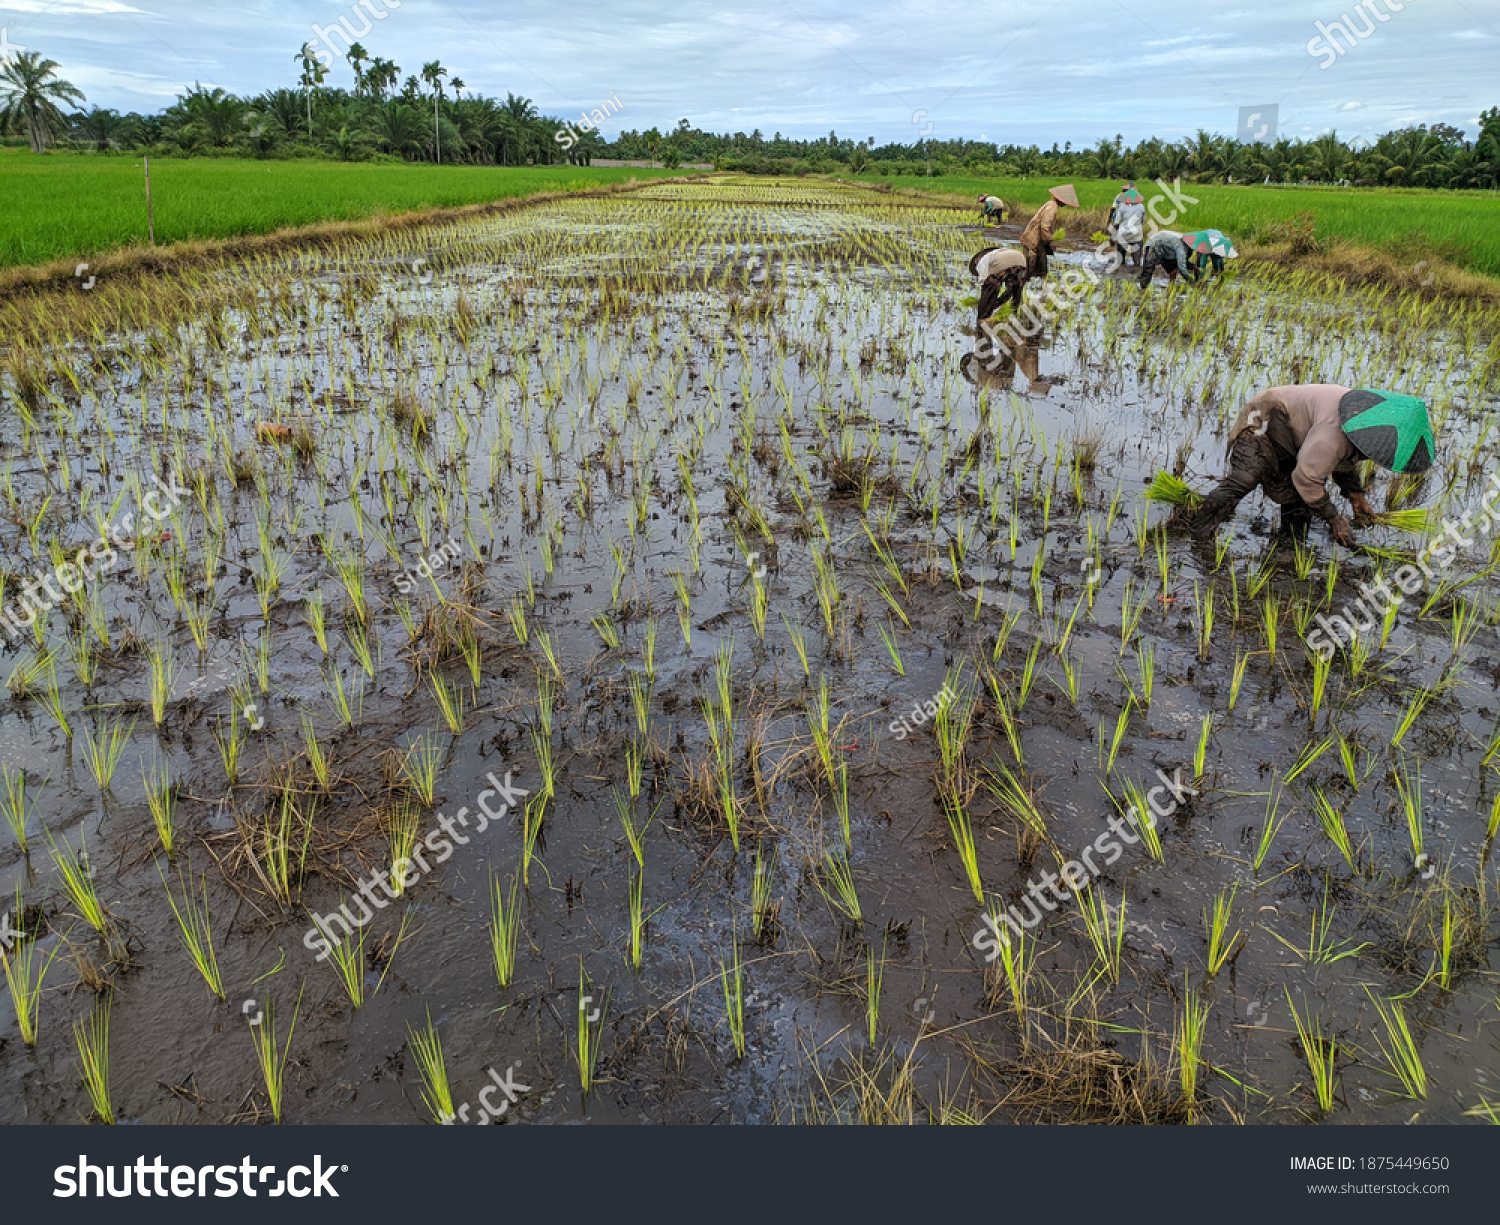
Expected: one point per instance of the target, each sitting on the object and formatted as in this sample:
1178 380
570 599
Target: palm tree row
1412 157
419 121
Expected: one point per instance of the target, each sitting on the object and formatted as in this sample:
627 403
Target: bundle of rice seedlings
1417 522
1172 490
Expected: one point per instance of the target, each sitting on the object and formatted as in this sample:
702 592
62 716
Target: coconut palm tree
382 76
30 90
313 72
433 73
358 57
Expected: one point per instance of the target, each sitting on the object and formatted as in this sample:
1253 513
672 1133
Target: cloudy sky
1008 70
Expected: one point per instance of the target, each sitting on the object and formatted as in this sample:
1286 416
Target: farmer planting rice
1036 238
1168 250
1127 224
1002 278
1210 245
1291 440
991 207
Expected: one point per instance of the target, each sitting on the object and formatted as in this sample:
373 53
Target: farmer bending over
998 269
991 206
1290 440
1169 251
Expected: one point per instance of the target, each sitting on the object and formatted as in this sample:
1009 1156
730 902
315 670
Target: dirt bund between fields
60 274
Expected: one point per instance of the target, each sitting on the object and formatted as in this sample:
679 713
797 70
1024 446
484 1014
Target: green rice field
60 206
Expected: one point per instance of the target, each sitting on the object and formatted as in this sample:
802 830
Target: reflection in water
995 365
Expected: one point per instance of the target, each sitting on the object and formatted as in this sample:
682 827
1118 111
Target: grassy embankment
59 209
1366 234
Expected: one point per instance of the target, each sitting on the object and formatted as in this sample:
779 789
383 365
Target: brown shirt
1040 228
1323 449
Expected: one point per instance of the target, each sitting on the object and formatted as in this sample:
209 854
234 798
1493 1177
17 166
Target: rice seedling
15 805
1122 724
419 768
1018 952
1322 948
78 883
799 644
1399 1047
963 839
1409 716
889 637
1269 827
18 961
840 876
1309 754
874 981
1172 491
317 620
731 977
1414 522
1320 1053
1409 790
504 927
164 674
1445 946
1270 615
450 700
348 957
196 933
1221 945
544 640
1332 821
92 1036
1191 1029
1105 928
1130 615
401 829
427 1050
606 630
271 1056
587 1051
1140 815
161 798
316 758
102 753
1200 753
51 700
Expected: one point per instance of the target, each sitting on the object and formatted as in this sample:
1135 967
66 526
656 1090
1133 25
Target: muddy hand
1340 531
1364 513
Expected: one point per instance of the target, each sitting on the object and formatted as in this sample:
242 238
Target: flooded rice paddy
786 637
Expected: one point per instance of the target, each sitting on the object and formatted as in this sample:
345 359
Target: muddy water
554 426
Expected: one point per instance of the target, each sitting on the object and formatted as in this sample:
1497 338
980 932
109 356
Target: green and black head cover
1391 429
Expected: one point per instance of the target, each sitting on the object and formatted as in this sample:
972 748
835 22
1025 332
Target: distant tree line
1438 156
